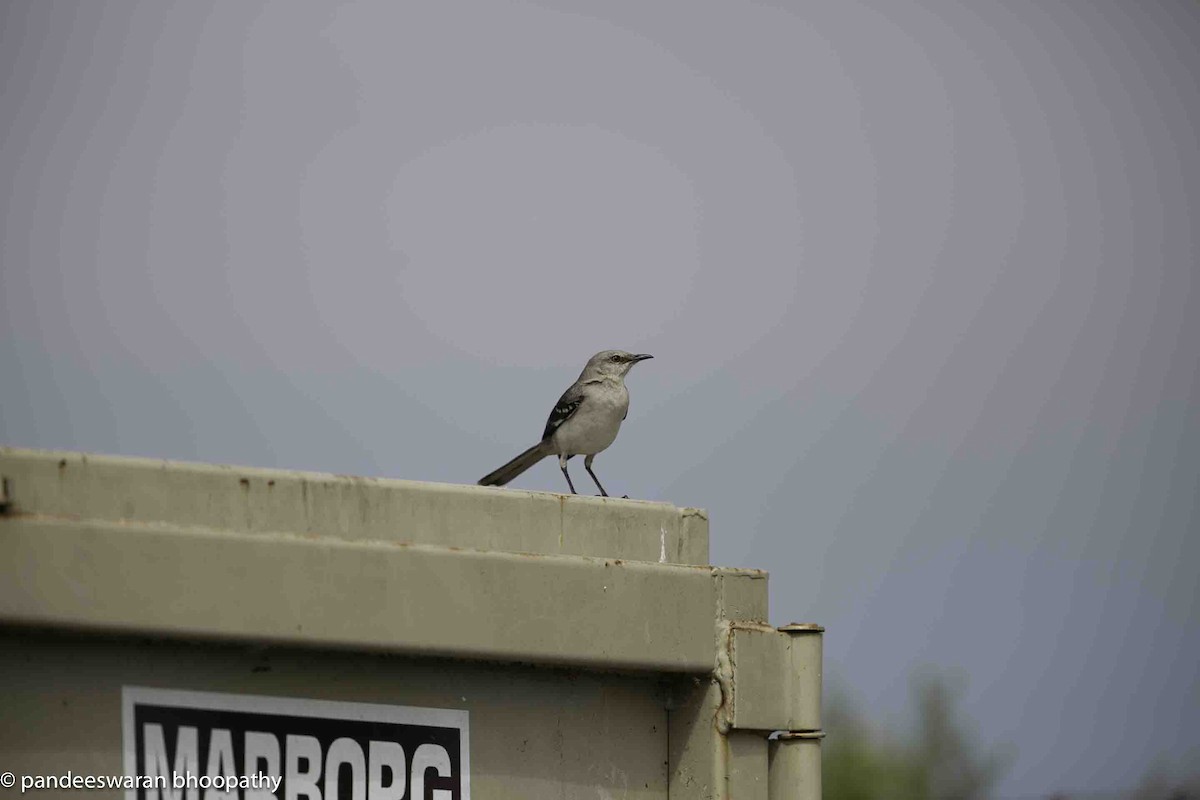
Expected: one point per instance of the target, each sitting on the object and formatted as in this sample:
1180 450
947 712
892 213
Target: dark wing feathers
563 409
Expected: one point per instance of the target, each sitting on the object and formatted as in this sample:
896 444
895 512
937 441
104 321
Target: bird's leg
587 464
562 464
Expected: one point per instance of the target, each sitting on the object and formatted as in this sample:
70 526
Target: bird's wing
567 405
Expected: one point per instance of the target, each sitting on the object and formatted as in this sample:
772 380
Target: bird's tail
518 465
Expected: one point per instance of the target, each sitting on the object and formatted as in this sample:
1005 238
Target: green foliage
1160 784
939 757
938 760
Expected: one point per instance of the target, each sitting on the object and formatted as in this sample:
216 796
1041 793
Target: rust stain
37 516
723 675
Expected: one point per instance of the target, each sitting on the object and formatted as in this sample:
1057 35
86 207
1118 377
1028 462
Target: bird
584 422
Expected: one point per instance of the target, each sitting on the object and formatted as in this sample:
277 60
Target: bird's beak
640 357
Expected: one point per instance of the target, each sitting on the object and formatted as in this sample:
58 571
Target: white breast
595 425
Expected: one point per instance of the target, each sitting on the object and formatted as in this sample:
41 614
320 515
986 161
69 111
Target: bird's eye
614 359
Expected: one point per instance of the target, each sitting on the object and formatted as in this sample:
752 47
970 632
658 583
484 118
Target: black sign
201 746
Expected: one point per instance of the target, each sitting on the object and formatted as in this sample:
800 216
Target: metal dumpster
192 632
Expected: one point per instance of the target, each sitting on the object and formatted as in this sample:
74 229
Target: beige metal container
315 636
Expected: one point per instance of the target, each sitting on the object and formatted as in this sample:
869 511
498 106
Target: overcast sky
920 280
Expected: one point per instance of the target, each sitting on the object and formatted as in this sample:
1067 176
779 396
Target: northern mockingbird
585 420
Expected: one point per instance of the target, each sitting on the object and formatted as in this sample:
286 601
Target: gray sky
920 280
